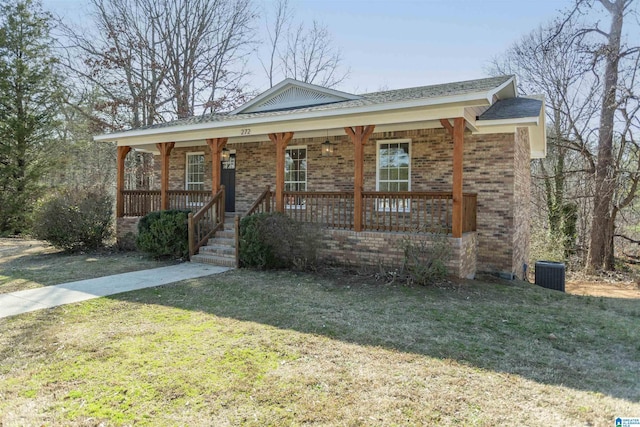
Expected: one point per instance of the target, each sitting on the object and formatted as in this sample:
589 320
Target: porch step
219 250
223 241
206 258
226 234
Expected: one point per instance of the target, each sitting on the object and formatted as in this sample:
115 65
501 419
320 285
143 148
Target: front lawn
256 349
29 264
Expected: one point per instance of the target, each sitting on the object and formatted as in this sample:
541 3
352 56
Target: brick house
371 169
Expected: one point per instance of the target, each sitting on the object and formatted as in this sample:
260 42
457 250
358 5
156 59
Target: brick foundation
378 248
126 230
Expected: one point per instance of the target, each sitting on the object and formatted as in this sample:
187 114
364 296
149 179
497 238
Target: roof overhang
536 125
391 116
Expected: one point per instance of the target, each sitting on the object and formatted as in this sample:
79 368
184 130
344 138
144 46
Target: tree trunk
605 171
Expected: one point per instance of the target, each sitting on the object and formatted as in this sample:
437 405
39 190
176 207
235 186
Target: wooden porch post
458 150
122 154
216 145
165 149
281 140
359 136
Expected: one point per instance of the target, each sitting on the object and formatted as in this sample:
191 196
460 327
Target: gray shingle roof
374 98
512 108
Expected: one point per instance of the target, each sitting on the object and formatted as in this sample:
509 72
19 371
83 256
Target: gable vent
294 97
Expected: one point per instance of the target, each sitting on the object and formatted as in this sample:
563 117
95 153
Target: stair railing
204 223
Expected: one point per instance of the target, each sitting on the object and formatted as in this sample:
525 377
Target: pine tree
30 93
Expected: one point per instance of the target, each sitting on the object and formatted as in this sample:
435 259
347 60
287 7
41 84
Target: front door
228 179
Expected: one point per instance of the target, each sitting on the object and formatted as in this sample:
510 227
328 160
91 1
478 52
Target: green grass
252 348
29 264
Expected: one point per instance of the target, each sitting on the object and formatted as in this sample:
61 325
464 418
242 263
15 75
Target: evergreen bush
164 234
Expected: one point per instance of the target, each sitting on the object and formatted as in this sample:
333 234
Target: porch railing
188 199
206 221
327 209
264 203
382 211
142 202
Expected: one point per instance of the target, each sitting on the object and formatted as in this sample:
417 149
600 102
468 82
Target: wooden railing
188 199
407 211
328 209
140 202
469 211
204 223
264 203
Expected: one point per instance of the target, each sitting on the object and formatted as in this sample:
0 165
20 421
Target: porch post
122 154
458 150
359 136
281 140
216 145
165 149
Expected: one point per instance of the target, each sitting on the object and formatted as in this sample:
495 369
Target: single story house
449 159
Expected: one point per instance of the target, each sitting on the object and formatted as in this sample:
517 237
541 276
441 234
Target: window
393 172
195 172
295 174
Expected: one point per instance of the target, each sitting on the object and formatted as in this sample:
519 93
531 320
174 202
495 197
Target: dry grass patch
29 264
255 349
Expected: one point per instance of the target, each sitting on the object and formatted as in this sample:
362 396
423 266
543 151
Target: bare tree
611 52
160 60
589 76
561 72
300 52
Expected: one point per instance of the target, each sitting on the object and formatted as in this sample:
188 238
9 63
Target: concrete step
205 258
220 250
226 234
222 241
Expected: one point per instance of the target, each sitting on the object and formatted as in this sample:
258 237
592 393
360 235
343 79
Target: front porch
362 167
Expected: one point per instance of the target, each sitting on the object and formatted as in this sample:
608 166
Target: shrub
273 240
164 234
75 220
425 261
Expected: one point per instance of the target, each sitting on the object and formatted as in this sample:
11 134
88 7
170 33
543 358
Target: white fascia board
523 121
497 90
468 99
260 130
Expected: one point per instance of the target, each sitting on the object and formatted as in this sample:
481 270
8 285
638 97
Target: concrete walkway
67 293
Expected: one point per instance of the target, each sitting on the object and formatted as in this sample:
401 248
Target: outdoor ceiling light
327 147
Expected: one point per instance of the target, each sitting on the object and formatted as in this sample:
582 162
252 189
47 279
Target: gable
290 94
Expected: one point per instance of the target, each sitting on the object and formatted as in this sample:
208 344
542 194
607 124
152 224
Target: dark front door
228 179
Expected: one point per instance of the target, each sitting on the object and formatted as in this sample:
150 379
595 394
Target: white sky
404 43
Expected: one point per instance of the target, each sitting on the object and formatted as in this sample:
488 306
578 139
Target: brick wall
495 167
126 231
347 247
522 203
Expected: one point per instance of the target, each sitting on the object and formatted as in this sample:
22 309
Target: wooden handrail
262 203
199 233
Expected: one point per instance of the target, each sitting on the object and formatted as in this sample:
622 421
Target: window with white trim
195 172
295 174
393 172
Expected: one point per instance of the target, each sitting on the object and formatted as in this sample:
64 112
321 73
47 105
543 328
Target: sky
392 44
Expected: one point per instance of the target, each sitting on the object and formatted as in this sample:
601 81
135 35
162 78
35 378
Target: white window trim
301 205
382 206
186 168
